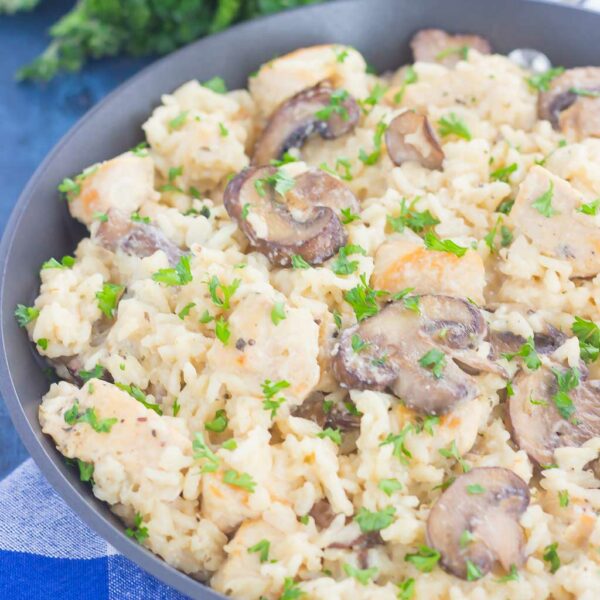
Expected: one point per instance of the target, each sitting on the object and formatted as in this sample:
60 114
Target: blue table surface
32 119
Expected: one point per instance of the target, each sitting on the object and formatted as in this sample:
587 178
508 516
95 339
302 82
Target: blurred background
48 82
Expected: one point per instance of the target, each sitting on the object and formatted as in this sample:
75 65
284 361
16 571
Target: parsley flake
363 576
425 559
180 275
588 334
433 242
108 298
138 532
262 548
240 480
453 125
25 314
435 361
335 435
543 204
218 423
369 521
389 486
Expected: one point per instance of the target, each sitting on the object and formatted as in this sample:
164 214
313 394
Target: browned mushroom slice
413 353
565 233
477 520
572 104
537 425
410 137
435 45
320 109
119 232
545 342
305 222
322 513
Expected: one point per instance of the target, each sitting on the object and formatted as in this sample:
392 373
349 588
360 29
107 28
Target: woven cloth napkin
47 553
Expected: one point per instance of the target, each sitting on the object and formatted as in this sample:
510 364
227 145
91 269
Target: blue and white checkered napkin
47 553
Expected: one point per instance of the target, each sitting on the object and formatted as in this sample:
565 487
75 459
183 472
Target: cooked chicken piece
401 264
125 183
436 45
545 211
282 77
271 352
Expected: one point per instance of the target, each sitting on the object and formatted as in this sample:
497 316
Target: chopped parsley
528 353
425 559
222 330
406 589
466 537
588 334
278 313
108 298
180 275
543 204
585 92
290 591
363 576
363 299
96 373
551 556
185 311
410 77
397 440
335 435
475 489
220 293
452 452
174 172
262 549
374 521
136 392
461 51
179 121
299 263
270 390
230 444
280 181
473 571
453 125
358 344
389 486
141 150
433 242
341 54
341 265
506 236
347 216
218 423
512 575
591 208
204 453
138 532
566 381
239 480
223 130
435 361
73 416
86 470
66 262
100 216
428 423
176 407
216 84
411 218
375 96
503 173
25 314
563 498
137 218
541 81
373 157
206 317
335 106
505 206
42 343
69 186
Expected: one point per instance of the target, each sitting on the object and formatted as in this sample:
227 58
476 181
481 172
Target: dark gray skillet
40 227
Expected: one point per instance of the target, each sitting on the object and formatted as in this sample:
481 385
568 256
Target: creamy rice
262 469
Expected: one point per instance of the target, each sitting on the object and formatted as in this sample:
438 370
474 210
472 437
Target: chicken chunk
125 182
400 264
545 211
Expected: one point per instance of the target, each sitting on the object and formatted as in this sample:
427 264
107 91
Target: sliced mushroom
435 45
572 104
322 513
319 109
305 222
410 137
395 340
537 426
489 513
545 342
119 232
565 234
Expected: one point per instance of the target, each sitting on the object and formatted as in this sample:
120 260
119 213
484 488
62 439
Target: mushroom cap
304 223
296 119
539 429
410 137
567 234
428 44
490 516
119 232
397 338
569 111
